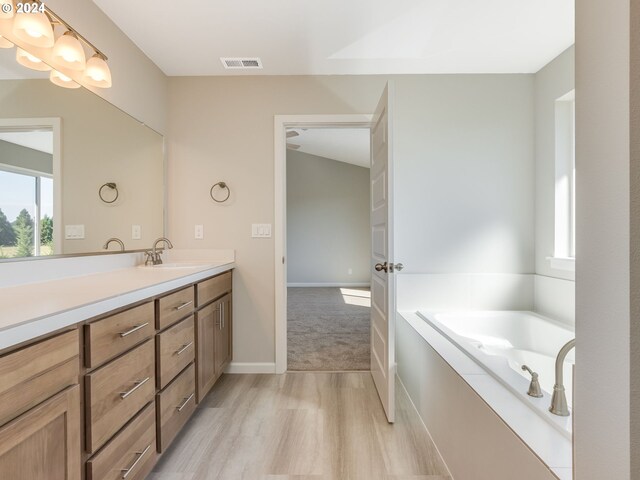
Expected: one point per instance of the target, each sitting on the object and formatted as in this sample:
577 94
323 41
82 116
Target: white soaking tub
502 341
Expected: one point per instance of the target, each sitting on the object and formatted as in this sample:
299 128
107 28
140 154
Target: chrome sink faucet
559 399
116 240
153 256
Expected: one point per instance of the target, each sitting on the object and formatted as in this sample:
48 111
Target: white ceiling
36 140
349 145
304 37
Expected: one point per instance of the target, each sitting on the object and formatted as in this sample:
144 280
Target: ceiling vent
241 63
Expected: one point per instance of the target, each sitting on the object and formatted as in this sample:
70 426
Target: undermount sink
176 265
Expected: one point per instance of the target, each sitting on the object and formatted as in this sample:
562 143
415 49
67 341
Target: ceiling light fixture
33 32
62 80
30 61
68 52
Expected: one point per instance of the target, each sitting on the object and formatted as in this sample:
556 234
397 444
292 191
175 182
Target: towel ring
223 186
112 186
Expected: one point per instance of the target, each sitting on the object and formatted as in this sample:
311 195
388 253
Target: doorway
328 249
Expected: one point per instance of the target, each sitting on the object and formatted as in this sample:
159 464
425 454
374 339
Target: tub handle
534 386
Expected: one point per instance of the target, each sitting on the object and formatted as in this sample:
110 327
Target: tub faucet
559 399
153 256
534 386
114 239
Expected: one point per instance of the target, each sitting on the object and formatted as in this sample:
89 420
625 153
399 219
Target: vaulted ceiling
305 37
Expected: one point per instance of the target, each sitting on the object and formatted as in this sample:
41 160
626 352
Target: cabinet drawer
174 307
117 391
176 349
175 405
213 288
109 337
132 450
34 373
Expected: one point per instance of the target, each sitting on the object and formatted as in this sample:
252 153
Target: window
26 213
565 185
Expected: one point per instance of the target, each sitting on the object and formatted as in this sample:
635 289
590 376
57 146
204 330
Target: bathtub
502 341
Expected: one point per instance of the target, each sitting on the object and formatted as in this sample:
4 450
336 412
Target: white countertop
30 310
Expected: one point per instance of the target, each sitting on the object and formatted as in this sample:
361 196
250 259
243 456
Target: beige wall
603 369
139 86
99 144
222 129
327 221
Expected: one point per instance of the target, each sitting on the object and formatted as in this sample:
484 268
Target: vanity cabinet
40 410
223 335
109 396
213 331
44 443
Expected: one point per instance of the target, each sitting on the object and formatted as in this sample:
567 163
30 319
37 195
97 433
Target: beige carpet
328 329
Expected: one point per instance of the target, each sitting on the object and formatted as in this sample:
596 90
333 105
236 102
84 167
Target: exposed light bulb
62 80
34 29
69 53
27 60
97 73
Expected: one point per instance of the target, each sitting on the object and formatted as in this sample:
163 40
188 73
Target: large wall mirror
74 170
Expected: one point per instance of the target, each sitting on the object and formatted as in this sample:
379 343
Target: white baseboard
343 285
247 367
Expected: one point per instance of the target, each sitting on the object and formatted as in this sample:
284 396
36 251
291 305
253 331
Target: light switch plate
136 232
74 232
199 232
261 230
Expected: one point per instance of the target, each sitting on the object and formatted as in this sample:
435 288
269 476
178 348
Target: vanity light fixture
97 73
27 60
68 52
62 80
67 57
34 28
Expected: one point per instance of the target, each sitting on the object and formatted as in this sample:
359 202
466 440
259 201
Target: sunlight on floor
361 298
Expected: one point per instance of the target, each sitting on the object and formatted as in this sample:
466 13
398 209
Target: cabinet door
223 335
207 321
44 443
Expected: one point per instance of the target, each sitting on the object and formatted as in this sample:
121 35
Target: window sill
563 263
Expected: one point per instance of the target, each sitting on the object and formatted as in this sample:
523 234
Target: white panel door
382 278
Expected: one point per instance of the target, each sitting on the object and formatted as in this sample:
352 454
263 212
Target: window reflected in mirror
26 193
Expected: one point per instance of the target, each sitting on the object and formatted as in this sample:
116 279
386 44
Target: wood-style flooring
300 426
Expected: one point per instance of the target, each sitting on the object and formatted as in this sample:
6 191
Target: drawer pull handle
184 305
184 348
184 404
138 384
133 330
127 471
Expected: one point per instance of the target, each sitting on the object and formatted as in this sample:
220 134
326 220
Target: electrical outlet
350 271
136 232
199 232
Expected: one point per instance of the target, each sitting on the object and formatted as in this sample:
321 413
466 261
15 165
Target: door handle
382 266
388 267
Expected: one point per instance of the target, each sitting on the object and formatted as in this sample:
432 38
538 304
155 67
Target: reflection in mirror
57 148
26 192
